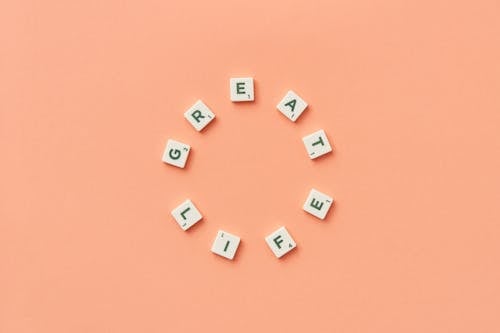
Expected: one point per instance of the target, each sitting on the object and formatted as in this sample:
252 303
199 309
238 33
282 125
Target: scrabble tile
199 115
280 242
241 89
317 144
318 204
186 214
225 244
292 106
176 153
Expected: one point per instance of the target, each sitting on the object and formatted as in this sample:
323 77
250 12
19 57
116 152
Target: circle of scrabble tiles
199 116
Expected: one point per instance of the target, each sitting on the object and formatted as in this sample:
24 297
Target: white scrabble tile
199 115
318 204
225 244
176 153
317 144
241 89
280 242
186 214
292 105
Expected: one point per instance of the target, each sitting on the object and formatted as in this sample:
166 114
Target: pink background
408 92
